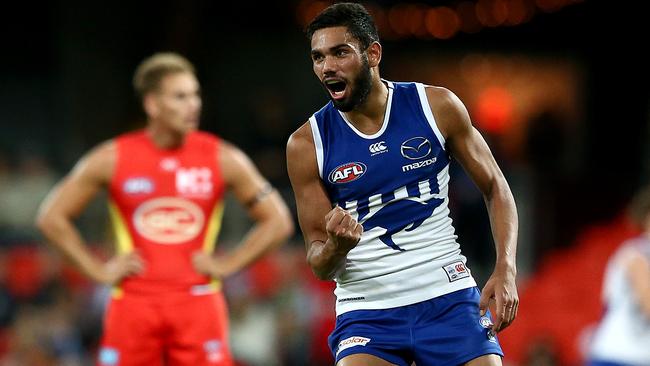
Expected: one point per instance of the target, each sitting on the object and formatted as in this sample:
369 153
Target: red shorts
172 330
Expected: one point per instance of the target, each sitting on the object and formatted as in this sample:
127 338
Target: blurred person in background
623 335
379 154
166 185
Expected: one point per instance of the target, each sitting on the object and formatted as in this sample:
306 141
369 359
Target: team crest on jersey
347 173
403 209
194 182
168 220
138 185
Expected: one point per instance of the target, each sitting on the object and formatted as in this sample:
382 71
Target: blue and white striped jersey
395 183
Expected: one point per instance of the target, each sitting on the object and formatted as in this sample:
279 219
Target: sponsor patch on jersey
416 148
419 164
108 356
168 220
138 185
348 299
194 182
347 173
351 342
455 271
378 148
213 351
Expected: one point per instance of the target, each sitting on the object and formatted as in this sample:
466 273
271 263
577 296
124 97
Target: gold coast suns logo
169 220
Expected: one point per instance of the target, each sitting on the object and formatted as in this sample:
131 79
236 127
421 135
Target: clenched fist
342 229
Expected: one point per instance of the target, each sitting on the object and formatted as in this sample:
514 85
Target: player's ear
374 54
149 104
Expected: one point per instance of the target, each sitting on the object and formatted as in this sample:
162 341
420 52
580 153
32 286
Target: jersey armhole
426 108
318 144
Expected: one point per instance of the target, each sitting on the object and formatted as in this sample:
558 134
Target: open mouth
336 88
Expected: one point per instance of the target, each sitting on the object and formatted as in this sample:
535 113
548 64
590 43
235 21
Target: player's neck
369 116
165 138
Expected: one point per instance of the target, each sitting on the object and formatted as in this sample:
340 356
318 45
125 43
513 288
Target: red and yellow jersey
166 204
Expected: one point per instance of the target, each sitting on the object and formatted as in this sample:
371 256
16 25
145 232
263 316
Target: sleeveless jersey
166 204
623 335
394 183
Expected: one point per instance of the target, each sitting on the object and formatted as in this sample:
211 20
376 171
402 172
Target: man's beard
359 94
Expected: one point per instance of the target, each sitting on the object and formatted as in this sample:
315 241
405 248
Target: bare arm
638 272
472 152
329 233
67 200
273 222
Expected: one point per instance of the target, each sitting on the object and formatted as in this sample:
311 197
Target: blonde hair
151 70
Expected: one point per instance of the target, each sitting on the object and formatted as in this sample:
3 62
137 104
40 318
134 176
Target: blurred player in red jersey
166 185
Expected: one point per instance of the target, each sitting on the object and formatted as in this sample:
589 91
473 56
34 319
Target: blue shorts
446 330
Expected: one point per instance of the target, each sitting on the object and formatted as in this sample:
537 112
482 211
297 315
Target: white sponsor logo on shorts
351 342
485 322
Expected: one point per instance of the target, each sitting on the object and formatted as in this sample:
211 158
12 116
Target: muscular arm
329 233
470 149
67 200
273 222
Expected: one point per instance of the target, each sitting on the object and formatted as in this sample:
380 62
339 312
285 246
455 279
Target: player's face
177 102
341 66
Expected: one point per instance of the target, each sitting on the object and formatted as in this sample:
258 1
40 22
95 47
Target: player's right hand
119 267
344 231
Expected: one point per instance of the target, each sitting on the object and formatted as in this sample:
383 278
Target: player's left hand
501 288
208 265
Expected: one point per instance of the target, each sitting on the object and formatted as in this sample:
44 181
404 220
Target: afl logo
347 173
168 220
415 148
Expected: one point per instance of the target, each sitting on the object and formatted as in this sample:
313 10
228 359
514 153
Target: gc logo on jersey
415 148
347 172
168 220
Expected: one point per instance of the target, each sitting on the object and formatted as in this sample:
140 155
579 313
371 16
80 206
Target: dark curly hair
350 15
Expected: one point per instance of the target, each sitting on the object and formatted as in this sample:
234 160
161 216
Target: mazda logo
415 148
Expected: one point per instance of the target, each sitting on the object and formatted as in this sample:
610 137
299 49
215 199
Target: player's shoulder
99 162
300 140
440 97
203 142
129 137
103 152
